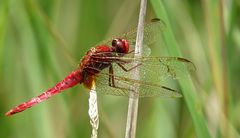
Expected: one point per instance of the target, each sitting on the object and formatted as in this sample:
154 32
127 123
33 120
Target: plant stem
133 102
93 111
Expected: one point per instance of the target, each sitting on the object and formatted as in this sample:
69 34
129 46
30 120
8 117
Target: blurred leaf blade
187 87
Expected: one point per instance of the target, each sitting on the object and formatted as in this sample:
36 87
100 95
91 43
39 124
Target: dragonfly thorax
120 45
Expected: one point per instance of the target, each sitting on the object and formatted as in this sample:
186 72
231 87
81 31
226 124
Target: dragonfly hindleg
111 77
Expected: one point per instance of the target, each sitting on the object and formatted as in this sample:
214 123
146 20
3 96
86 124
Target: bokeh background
41 41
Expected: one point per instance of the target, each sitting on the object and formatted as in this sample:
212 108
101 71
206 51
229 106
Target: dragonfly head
120 45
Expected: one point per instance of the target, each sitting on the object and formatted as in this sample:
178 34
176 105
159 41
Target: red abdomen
71 80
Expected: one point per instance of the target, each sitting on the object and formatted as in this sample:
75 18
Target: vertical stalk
217 54
93 111
225 129
224 57
133 102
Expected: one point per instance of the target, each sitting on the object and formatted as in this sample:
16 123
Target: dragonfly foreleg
127 70
130 51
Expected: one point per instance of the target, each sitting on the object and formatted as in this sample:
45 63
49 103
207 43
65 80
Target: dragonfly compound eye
120 45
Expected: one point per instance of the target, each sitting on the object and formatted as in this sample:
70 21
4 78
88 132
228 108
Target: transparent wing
160 69
152 31
125 86
155 71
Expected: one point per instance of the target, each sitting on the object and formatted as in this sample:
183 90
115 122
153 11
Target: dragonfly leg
91 70
111 77
131 51
112 82
127 70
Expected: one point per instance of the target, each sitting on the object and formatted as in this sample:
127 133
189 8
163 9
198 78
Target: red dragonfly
110 65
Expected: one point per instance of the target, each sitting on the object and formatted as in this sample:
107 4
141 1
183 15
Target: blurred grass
42 41
189 92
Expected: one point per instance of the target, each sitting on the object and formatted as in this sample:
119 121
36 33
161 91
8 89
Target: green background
41 41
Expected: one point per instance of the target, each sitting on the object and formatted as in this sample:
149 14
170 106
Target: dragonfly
111 63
